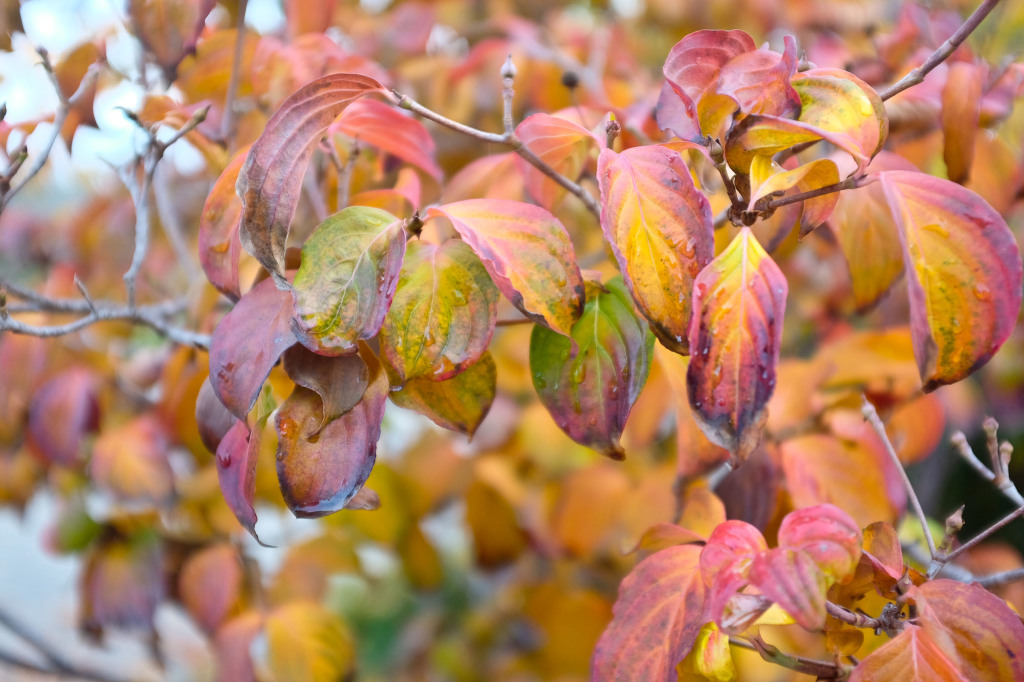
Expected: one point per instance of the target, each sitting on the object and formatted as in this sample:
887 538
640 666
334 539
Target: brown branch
823 670
871 415
944 558
227 124
848 183
940 55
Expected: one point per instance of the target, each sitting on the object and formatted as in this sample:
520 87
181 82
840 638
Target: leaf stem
871 415
823 670
942 53
848 183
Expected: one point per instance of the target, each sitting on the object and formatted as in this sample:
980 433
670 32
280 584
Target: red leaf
382 126
658 615
825 533
237 455
792 579
694 64
121 584
961 109
964 274
725 562
882 550
320 473
271 178
210 584
659 228
759 81
528 254
63 411
213 420
247 344
219 242
735 337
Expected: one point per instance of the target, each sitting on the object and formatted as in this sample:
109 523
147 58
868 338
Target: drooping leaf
807 177
911 655
459 403
213 420
725 562
735 338
964 274
382 126
347 279
237 456
130 462
694 64
247 344
961 109
828 535
528 254
792 579
62 412
659 228
560 143
590 394
305 641
864 227
443 314
658 616
122 583
210 585
840 103
977 630
883 551
320 471
271 178
339 381
219 243
759 81
713 659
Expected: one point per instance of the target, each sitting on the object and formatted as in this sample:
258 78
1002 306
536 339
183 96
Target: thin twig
508 77
848 183
940 55
510 140
999 579
823 670
945 558
345 173
871 415
227 124
513 322
63 109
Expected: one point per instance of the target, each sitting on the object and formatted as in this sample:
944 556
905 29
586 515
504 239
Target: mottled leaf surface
443 314
528 254
590 393
735 338
659 228
459 403
247 343
964 274
321 470
347 279
270 181
657 617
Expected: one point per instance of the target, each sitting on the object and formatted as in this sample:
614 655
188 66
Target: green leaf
443 314
459 403
590 394
348 276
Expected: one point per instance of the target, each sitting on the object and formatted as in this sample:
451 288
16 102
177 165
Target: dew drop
579 374
982 292
937 229
564 355
458 297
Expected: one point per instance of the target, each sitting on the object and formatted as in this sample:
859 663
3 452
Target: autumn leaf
271 178
828 535
305 641
443 314
381 125
759 81
347 279
883 551
964 274
590 393
130 462
459 403
527 253
247 343
771 178
122 584
321 470
210 585
169 28
62 412
237 456
659 228
725 563
693 65
339 381
560 143
793 580
961 110
219 243
658 616
911 655
735 338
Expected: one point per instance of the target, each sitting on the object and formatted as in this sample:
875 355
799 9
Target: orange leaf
964 274
828 535
560 143
912 655
210 585
792 579
961 109
735 336
658 615
382 126
659 228
219 241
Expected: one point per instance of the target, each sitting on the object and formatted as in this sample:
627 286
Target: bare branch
848 183
227 124
944 558
940 55
871 415
999 579
823 670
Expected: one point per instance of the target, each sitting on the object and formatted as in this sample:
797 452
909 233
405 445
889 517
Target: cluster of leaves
358 255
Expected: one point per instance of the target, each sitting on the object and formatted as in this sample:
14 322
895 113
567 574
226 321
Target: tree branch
848 183
227 124
871 415
999 579
940 55
942 559
823 670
